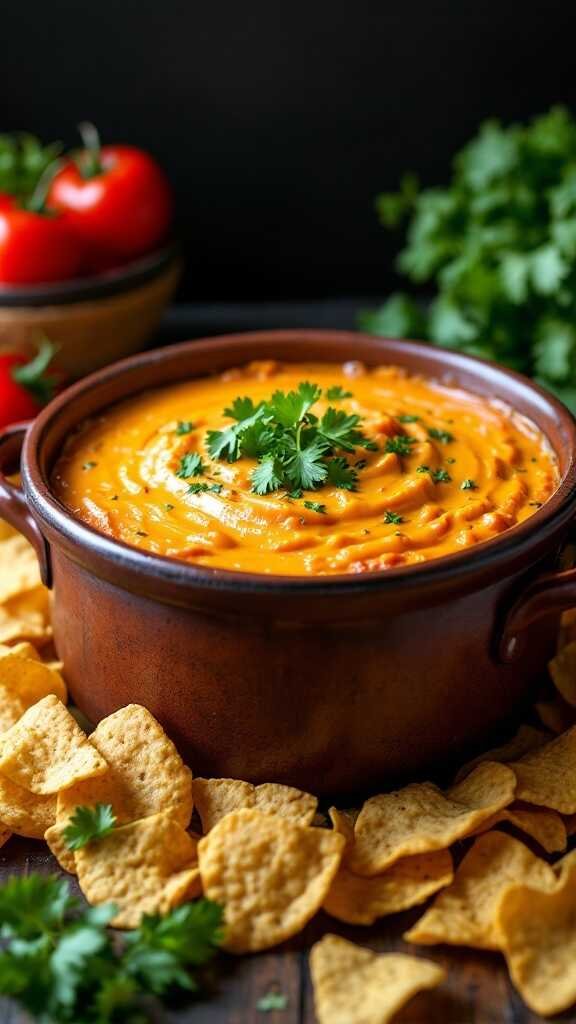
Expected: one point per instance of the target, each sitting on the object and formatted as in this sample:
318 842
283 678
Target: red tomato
120 211
25 385
34 247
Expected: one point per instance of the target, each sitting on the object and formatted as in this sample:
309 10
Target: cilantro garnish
204 488
169 507
400 444
444 436
468 485
315 507
423 469
88 823
190 465
184 427
296 450
441 476
407 417
336 393
393 517
60 962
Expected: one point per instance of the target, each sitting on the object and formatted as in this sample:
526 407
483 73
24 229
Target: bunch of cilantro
23 160
499 244
62 964
295 448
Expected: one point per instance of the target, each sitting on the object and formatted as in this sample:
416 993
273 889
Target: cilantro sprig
88 823
296 449
60 962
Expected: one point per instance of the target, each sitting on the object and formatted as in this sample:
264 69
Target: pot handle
549 594
13 505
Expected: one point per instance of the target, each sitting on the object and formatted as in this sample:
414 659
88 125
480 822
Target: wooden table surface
477 990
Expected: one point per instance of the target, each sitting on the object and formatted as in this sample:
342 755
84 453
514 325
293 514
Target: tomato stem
37 200
90 160
32 375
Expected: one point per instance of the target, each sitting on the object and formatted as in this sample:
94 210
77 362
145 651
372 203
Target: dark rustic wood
477 990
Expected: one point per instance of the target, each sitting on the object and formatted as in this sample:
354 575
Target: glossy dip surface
473 469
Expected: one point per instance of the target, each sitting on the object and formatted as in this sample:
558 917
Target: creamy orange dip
467 470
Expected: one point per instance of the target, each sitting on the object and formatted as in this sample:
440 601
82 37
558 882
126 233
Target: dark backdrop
277 122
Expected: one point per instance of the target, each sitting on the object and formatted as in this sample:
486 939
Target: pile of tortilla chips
273 862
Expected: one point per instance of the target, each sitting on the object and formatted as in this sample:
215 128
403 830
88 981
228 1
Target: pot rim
513 543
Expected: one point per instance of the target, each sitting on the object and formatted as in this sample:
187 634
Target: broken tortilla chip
353 985
421 818
145 774
46 750
538 935
547 777
466 913
19 571
56 841
556 715
270 874
23 682
214 798
357 900
146 867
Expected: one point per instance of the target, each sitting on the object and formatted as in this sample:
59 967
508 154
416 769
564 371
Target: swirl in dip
464 470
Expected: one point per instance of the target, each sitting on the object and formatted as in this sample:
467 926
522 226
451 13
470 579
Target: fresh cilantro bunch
61 963
499 245
23 159
296 450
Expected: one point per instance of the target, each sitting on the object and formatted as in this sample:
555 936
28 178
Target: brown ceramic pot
331 683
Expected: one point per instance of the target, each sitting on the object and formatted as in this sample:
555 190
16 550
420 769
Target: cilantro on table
273 1000
498 244
88 823
296 450
60 962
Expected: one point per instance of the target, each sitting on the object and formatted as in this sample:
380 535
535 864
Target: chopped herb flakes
204 488
89 465
444 436
393 517
400 444
439 476
407 417
184 427
468 485
315 507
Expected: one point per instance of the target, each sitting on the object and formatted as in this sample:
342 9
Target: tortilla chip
146 774
25 813
538 935
407 883
344 822
214 798
353 985
526 739
563 672
421 818
54 837
547 777
21 650
21 618
146 867
23 682
466 913
46 751
270 874
19 570
546 827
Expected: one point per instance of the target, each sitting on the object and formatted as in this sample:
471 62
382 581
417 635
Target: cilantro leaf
268 476
314 506
224 444
393 517
162 949
407 417
341 474
441 476
272 1001
190 465
204 488
306 468
241 409
339 429
88 823
337 393
288 409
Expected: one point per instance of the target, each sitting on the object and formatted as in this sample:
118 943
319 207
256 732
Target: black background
279 123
